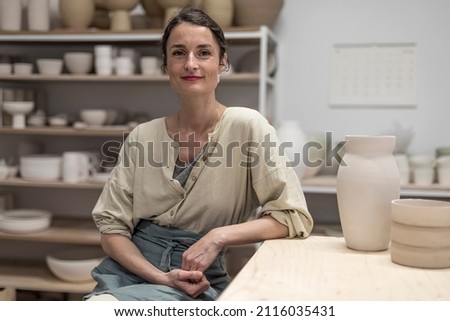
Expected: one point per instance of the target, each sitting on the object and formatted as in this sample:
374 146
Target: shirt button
204 158
194 178
182 196
172 212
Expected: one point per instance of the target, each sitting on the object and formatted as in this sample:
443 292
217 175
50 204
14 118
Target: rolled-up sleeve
276 184
113 212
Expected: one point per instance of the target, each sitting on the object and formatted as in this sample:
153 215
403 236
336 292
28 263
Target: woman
187 185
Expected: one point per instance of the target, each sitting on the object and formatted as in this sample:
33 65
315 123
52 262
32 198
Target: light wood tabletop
323 268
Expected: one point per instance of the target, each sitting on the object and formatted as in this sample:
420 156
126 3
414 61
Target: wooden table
323 268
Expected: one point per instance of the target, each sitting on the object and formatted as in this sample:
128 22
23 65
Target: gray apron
163 247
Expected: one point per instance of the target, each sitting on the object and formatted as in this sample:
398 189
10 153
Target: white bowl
75 265
94 117
18 107
25 220
79 63
51 67
40 167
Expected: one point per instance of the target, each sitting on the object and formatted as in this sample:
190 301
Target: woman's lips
191 78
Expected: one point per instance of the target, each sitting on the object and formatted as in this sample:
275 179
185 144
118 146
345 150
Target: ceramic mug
77 167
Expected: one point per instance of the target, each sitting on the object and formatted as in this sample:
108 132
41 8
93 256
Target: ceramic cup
5 69
77 167
423 175
22 68
149 65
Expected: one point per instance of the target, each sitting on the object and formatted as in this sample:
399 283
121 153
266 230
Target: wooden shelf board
57 184
241 78
326 184
62 230
65 131
33 276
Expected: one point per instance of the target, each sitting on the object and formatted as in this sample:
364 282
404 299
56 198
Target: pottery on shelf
221 11
76 14
154 11
11 15
367 181
172 7
256 12
38 15
120 20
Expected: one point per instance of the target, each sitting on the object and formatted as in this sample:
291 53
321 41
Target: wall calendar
371 75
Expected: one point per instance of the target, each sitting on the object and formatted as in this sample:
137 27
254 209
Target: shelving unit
34 275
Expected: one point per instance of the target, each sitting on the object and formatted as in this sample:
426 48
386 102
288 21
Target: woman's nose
191 62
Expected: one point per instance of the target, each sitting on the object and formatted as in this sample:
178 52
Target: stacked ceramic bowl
25 221
40 167
421 233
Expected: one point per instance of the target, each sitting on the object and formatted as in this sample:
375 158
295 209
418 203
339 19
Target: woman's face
193 60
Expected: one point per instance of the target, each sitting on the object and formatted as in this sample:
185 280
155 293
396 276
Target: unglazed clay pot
120 20
76 14
368 180
256 12
221 11
171 7
154 11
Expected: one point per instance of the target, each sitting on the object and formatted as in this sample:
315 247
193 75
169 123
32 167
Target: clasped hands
191 278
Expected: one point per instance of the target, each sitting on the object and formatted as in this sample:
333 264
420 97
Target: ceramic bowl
40 167
79 63
18 107
75 264
421 212
25 220
94 117
420 257
50 67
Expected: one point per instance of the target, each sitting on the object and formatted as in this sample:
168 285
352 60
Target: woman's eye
177 53
204 53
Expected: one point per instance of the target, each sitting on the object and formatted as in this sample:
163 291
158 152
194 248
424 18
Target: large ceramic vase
293 141
367 181
76 14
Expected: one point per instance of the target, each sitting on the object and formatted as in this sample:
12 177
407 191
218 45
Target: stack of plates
24 221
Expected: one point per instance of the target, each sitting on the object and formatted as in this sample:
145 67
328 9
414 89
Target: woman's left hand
201 254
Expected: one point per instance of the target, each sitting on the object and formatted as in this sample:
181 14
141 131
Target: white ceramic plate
25 221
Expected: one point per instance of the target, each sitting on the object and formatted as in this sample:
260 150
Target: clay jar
76 14
367 181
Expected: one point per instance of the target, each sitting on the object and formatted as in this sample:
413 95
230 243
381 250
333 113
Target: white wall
307 30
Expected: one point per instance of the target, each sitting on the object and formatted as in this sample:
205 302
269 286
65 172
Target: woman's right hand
192 283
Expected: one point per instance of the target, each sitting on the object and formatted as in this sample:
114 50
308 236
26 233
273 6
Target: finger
194 276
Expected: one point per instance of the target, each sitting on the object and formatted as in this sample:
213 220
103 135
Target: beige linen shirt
241 171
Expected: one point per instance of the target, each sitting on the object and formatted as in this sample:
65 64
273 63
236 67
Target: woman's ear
224 64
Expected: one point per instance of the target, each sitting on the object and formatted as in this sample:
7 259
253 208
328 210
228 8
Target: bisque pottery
368 180
221 11
76 14
120 20
38 15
